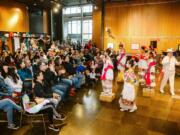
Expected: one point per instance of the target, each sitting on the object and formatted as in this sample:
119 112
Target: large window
78 23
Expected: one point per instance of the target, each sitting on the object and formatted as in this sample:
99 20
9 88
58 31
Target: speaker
153 43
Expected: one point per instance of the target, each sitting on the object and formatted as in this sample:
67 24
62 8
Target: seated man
51 77
71 72
8 106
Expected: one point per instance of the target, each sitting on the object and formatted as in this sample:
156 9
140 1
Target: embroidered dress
143 66
128 95
107 77
150 74
121 60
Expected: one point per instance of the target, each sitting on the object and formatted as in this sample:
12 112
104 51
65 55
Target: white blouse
17 87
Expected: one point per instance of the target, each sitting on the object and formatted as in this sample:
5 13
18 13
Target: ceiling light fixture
55 10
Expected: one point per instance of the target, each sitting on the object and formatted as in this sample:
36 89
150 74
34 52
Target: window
87 37
87 9
69 27
74 27
67 11
77 18
72 10
87 30
87 26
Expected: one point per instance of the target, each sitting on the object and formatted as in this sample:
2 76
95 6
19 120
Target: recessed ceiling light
55 10
58 5
35 4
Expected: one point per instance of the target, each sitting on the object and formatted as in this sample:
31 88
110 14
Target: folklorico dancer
107 76
128 95
142 64
169 63
151 72
121 60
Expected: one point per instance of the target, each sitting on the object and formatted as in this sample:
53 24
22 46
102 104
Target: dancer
128 95
107 76
121 61
169 63
142 64
150 73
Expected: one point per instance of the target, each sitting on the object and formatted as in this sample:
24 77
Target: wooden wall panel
13 16
143 22
97 20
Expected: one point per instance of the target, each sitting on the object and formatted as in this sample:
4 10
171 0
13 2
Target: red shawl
147 75
103 76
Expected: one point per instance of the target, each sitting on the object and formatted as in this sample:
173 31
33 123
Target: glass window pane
74 28
67 11
78 9
87 26
69 27
79 27
87 9
73 10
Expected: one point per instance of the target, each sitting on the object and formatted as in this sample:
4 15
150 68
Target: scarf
103 76
148 74
119 61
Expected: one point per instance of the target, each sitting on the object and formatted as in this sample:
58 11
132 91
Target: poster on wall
16 43
135 46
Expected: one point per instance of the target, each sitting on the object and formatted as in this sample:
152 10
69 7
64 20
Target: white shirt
169 63
17 87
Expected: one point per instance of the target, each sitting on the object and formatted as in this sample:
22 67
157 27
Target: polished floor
158 114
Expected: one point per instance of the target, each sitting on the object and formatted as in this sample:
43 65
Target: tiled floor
156 115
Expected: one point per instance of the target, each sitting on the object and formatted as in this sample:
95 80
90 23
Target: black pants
49 112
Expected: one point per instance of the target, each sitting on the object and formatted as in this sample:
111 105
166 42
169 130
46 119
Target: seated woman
5 90
23 72
39 90
8 106
41 105
13 80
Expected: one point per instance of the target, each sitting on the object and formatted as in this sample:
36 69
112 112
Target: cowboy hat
170 50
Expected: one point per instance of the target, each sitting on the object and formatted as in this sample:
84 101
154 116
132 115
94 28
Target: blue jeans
67 82
78 80
8 105
60 89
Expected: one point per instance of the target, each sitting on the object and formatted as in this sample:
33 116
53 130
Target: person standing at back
169 63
